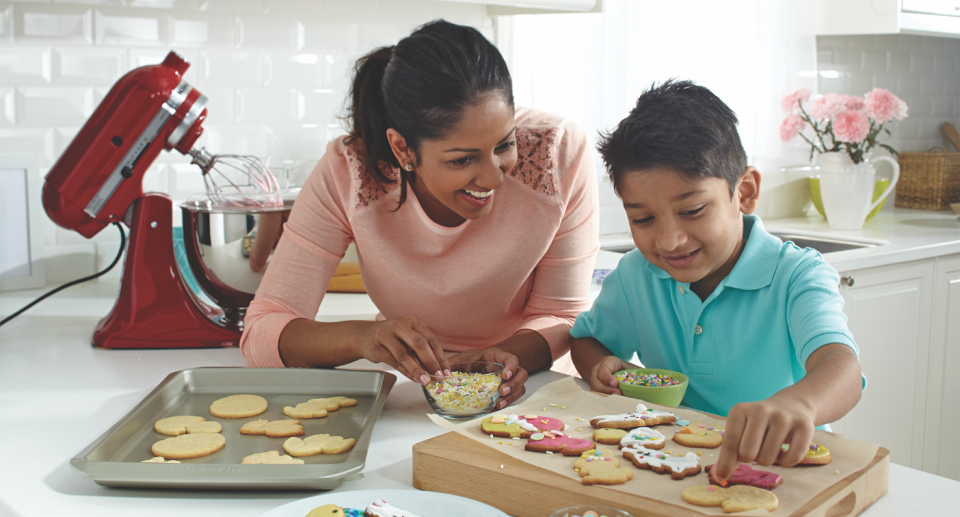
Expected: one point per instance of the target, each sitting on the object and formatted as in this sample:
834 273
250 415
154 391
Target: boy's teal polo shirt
751 337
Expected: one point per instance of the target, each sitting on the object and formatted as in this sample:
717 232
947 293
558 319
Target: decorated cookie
270 458
188 446
274 429
599 467
318 444
740 498
385 509
639 418
816 455
699 435
332 510
238 406
555 441
609 436
318 408
649 438
158 459
513 426
746 475
678 467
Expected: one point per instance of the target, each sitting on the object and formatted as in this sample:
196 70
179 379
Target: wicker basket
929 181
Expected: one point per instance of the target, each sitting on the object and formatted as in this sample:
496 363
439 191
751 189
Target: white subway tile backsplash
152 56
110 3
941 106
907 84
6 24
259 106
296 8
230 69
262 32
372 35
847 60
945 64
88 66
156 179
25 66
220 106
232 6
337 71
874 61
138 27
931 84
236 139
340 10
301 142
36 142
326 35
910 42
196 30
62 24
62 136
951 86
898 61
293 70
180 5
53 106
921 63
186 179
320 106
886 80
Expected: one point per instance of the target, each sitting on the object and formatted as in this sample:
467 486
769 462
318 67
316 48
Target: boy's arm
597 365
756 430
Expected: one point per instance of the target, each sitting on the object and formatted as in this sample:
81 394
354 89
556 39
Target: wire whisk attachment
239 180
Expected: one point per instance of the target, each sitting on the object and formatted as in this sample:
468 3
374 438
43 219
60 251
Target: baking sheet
567 401
115 458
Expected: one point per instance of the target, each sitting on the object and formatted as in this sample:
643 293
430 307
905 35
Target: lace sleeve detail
369 190
537 159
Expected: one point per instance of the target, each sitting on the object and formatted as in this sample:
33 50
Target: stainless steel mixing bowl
214 236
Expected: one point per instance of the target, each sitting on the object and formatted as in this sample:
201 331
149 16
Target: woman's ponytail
367 113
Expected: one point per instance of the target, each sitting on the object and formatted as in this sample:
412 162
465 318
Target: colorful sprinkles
464 392
648 379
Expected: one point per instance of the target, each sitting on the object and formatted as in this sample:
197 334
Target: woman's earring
408 167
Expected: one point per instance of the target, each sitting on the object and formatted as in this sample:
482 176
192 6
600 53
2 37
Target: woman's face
458 175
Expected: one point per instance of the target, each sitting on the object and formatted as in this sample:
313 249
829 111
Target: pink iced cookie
558 442
513 426
747 475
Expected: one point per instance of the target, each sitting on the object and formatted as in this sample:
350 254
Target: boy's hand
756 430
602 379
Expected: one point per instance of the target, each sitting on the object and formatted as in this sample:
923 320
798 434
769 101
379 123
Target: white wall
275 73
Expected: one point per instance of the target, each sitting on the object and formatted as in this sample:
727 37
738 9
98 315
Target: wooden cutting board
457 465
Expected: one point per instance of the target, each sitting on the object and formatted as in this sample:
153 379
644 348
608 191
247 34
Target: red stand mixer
99 180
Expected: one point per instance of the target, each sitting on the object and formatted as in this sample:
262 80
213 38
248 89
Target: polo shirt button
680 287
698 330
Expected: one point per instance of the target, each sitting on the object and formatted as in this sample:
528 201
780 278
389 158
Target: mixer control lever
126 172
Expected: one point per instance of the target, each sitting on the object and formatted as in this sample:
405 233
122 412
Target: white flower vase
847 188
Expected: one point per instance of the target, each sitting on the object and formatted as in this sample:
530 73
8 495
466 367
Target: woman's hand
514 377
602 379
406 344
756 430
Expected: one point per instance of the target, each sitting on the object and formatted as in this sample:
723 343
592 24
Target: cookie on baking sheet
816 455
555 441
238 406
269 458
639 418
274 429
599 467
740 498
176 425
188 446
649 438
318 444
699 435
609 436
747 475
513 426
158 459
678 467
318 408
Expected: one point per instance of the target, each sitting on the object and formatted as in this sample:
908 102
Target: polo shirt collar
757 263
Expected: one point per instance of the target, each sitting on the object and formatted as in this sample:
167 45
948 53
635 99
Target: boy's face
690 228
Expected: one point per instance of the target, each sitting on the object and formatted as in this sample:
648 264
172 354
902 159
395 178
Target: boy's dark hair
678 125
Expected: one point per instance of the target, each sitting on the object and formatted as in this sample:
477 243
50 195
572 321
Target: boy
756 324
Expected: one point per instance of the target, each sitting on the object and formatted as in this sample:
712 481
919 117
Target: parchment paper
566 401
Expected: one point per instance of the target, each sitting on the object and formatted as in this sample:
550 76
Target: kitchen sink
822 243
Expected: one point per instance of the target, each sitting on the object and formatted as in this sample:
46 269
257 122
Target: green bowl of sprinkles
471 390
664 387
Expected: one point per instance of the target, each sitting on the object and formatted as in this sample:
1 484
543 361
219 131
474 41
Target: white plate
418 502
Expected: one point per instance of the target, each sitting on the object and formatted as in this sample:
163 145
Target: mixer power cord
123 243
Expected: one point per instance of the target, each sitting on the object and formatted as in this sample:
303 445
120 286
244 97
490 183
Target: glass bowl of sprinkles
590 510
471 390
664 387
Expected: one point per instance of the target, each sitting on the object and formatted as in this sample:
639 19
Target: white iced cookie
384 509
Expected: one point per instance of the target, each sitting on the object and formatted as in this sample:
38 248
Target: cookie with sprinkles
519 426
678 467
599 467
649 438
555 441
816 455
640 418
332 510
699 435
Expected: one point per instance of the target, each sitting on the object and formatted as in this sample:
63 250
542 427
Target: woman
475 225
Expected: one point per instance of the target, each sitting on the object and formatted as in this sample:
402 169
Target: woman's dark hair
420 87
678 125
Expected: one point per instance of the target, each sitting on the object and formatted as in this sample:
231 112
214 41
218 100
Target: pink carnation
884 106
853 102
826 107
851 126
791 127
790 102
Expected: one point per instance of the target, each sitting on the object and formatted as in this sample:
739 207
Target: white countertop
58 394
901 234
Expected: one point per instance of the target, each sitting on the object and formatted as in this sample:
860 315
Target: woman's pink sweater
526 265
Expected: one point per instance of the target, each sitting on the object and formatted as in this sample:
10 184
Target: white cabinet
925 17
905 319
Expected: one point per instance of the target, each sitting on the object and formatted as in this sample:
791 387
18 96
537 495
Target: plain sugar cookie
158 459
318 408
318 444
188 446
176 425
238 406
270 458
740 498
274 429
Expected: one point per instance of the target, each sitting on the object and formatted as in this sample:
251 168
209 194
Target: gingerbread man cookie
740 498
699 435
599 467
639 418
746 475
513 426
555 441
661 463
